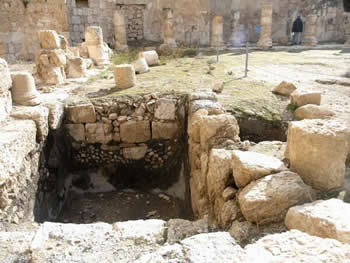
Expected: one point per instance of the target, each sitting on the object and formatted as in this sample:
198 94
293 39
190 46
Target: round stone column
24 90
217 32
265 40
94 43
310 38
168 28
121 42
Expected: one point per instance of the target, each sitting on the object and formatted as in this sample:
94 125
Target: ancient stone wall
140 138
20 22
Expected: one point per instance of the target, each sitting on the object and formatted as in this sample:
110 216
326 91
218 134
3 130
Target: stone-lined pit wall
139 138
20 23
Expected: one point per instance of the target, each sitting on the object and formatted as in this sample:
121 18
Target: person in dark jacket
297 30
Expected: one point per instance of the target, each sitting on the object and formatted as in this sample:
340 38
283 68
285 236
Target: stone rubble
284 88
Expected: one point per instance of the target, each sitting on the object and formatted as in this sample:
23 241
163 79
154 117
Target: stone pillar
237 36
217 32
310 31
168 28
265 40
124 76
121 42
347 29
94 42
23 89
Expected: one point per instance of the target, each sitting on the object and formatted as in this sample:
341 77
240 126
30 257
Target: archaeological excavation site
184 131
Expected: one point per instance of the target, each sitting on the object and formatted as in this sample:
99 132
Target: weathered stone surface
217 32
179 229
229 193
15 246
250 166
81 113
284 88
140 65
5 94
57 57
322 163
271 148
168 28
163 130
135 153
39 114
295 247
98 132
135 131
212 247
313 112
49 39
265 40
301 98
229 212
77 131
56 114
218 177
94 42
165 109
120 30
218 87
310 34
242 232
199 196
151 57
76 68
213 108
268 199
124 76
23 89
327 219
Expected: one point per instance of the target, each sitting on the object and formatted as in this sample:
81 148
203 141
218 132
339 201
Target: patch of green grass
292 107
125 57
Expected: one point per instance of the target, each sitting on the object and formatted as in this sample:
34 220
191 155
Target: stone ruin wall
19 25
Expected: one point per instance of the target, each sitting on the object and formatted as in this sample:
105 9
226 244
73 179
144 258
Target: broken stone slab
313 112
124 76
98 132
213 108
95 45
76 131
284 89
39 114
18 138
250 166
135 153
211 247
165 109
301 98
202 95
295 247
179 229
83 112
164 130
322 163
135 131
24 90
49 39
324 218
76 68
271 148
151 57
268 199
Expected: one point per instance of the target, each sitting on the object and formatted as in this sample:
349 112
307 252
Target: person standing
297 30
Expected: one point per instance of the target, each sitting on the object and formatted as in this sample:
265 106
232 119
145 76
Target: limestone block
98 132
135 131
63 42
83 50
23 89
229 193
217 32
322 163
56 114
151 57
95 45
301 98
218 87
93 36
76 68
17 139
284 88
135 153
295 246
229 212
217 177
168 29
140 65
39 114
268 199
57 57
271 148
326 219
49 39
5 77
265 40
313 112
120 31
124 76
76 131
81 113
310 32
250 166
162 130
193 129
199 198
165 109
5 105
